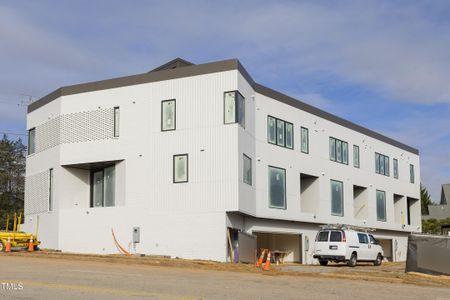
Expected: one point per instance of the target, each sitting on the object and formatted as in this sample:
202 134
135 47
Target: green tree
12 178
433 226
425 199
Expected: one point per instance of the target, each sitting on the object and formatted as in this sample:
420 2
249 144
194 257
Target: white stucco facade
74 136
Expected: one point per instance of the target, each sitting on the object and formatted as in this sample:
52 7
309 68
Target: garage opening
287 246
386 244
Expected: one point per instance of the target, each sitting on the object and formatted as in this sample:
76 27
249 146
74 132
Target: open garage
289 245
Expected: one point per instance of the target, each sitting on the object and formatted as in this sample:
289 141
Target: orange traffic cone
260 260
267 265
8 244
30 244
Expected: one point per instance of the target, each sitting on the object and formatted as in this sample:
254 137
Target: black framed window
277 187
338 151
411 173
381 206
180 168
31 141
103 185
395 165
356 156
304 136
234 108
116 121
381 164
280 132
337 198
50 190
247 172
168 115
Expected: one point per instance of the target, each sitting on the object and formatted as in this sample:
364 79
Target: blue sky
382 64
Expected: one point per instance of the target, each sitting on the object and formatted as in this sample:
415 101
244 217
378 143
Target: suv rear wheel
323 262
378 261
352 261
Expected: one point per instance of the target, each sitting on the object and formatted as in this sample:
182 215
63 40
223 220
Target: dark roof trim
220 66
173 64
183 70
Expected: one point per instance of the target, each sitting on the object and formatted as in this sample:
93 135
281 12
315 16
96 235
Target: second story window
168 115
338 151
337 198
381 206
411 173
304 136
395 163
277 187
356 156
234 108
31 141
50 190
280 132
247 176
381 164
180 168
103 187
116 121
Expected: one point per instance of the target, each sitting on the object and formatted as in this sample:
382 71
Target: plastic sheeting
428 254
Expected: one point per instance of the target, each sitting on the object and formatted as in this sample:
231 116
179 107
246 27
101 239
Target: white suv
347 246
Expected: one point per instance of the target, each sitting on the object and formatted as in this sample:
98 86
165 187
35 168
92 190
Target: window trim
342 198
412 175
91 205
236 108
116 128
285 198
50 189
284 132
359 157
395 168
376 205
301 139
243 169
174 114
187 168
382 158
34 141
335 150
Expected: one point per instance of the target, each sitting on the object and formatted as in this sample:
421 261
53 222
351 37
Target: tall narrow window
234 108
280 133
241 110
168 115
345 153
304 136
229 108
31 141
356 156
289 135
332 149
411 173
103 184
271 130
386 166
338 151
377 163
247 170
50 190
180 168
116 121
277 187
381 206
337 198
395 163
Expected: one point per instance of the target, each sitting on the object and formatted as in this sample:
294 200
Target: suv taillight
343 237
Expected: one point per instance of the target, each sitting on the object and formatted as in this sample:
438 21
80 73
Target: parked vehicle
347 245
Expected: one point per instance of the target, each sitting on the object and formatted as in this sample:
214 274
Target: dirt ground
50 276
387 272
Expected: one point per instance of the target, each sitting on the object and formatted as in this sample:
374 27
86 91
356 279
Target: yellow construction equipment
18 239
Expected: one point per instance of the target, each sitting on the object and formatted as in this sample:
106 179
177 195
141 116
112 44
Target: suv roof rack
346 227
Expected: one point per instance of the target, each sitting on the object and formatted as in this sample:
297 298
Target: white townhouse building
192 161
